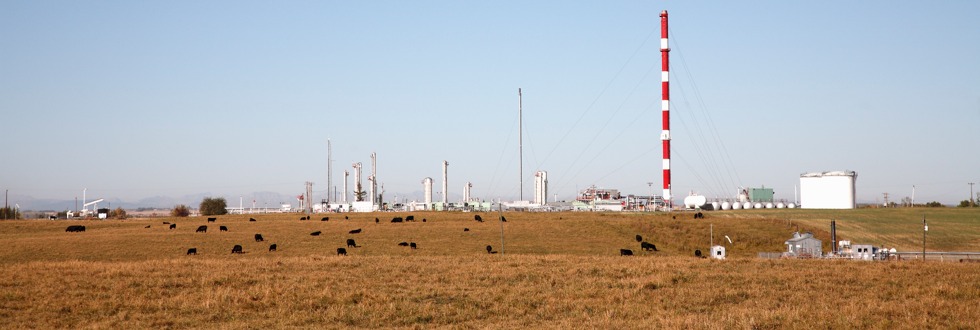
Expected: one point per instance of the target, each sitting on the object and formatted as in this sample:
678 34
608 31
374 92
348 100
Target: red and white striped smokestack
665 104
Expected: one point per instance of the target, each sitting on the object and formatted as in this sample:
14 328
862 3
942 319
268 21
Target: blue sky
139 99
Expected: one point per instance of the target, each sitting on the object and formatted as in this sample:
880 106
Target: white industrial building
828 190
540 187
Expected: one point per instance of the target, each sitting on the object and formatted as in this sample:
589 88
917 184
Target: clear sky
132 99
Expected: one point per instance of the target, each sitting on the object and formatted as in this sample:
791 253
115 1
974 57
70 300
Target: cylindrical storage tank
769 205
726 206
736 206
791 206
780 205
757 205
747 205
694 201
715 206
828 190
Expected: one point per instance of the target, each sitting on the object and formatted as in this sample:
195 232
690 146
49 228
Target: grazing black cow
466 229
376 220
674 217
341 251
403 244
639 238
316 233
212 219
202 229
625 252
147 226
355 231
272 248
251 219
53 217
351 243
304 218
648 246
237 249
346 218
503 219
173 226
166 222
192 251
423 219
410 218
325 219
697 253
489 249
478 218
699 215
258 238
397 219
413 246
75 229
222 228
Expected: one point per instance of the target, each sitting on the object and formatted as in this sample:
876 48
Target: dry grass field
558 270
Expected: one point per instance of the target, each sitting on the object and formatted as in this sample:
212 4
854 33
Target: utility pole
925 228
913 195
520 139
886 199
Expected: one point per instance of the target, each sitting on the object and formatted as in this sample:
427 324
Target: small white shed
718 252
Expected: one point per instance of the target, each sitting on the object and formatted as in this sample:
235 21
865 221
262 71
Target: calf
75 229
478 218
625 252
648 246
355 231
272 248
325 219
222 228
341 251
639 238
489 249
173 226
251 219
412 245
410 218
316 233
403 244
237 249
351 243
212 219
258 238
503 219
397 219
202 229
192 251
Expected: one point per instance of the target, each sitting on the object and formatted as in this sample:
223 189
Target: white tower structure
357 180
329 173
427 191
346 175
445 183
373 179
466 192
540 187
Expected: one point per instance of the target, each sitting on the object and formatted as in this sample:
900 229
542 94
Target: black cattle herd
342 251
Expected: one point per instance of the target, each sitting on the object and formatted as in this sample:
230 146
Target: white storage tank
769 205
736 206
757 205
715 206
726 206
780 205
828 190
791 206
747 205
694 201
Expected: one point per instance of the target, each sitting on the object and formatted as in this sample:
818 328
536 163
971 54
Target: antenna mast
520 137
665 104
329 171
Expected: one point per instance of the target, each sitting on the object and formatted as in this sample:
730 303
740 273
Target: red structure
665 104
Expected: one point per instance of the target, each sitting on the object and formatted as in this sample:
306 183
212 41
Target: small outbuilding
718 252
803 245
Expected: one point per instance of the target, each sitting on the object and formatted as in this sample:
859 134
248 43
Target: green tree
934 204
213 206
9 213
359 194
964 203
118 213
180 210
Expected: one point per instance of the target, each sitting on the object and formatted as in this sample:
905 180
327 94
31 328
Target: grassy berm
556 270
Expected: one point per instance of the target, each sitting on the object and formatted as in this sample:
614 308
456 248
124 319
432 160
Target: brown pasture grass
559 270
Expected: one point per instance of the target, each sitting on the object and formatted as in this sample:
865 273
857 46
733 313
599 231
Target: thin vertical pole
925 228
665 106
520 139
